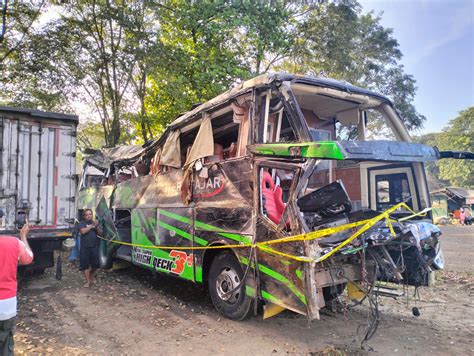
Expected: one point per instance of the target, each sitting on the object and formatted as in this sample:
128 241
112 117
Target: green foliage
16 23
200 57
23 82
94 55
337 40
90 54
431 168
139 64
458 136
89 135
265 32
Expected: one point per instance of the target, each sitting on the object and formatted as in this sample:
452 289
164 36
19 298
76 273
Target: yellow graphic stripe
264 246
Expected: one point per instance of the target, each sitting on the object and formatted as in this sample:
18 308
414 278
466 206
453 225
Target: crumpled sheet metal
171 152
105 157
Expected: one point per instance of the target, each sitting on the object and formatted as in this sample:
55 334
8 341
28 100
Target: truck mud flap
59 268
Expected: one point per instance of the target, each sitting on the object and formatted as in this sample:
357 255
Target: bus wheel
227 293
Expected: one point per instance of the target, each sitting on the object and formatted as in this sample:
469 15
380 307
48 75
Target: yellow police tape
366 225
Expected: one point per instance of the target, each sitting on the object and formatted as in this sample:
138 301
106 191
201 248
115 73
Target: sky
436 38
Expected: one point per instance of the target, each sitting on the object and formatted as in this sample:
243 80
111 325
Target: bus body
260 194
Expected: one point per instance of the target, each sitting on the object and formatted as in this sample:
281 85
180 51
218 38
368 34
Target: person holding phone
13 252
89 246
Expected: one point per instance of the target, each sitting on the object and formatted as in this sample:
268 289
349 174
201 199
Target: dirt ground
129 312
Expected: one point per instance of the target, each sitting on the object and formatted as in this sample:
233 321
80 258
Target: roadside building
448 201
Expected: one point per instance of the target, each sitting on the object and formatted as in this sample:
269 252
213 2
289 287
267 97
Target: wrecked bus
294 192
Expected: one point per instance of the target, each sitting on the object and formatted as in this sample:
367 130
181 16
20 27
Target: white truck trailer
38 178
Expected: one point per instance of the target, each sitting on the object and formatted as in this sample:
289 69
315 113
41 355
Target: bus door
281 278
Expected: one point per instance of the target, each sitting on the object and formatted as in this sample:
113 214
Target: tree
89 135
431 168
458 136
338 41
16 23
139 64
92 37
94 53
210 45
21 84
201 57
145 47
265 32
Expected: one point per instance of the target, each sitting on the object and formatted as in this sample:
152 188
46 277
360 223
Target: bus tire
225 275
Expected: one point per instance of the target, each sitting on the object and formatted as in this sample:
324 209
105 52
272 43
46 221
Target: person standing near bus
13 252
89 249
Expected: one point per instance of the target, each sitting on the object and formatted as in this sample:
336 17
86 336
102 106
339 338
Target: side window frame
263 112
375 171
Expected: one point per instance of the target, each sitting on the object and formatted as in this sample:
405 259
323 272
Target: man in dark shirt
89 250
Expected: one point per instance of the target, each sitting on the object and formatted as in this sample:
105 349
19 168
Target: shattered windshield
335 115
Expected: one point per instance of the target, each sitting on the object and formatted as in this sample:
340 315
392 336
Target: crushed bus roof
268 79
105 157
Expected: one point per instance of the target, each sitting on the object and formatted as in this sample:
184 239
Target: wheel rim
227 281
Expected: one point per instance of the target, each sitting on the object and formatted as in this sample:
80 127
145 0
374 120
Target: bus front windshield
335 115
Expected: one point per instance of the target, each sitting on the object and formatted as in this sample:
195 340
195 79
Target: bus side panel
163 190
89 198
170 228
127 195
281 279
239 172
223 214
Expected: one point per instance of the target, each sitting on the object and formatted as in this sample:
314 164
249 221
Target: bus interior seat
232 150
218 154
273 202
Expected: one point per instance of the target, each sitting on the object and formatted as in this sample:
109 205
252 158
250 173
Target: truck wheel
226 275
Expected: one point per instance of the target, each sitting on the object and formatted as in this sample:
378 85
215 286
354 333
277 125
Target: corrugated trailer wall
37 170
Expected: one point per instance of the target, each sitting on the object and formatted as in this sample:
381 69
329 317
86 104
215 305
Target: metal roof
462 193
105 157
39 114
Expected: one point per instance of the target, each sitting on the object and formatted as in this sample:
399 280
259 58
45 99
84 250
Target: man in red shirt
13 251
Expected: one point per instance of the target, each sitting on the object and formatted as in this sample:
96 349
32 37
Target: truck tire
226 275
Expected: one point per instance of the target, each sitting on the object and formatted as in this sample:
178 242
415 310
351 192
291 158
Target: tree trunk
142 106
